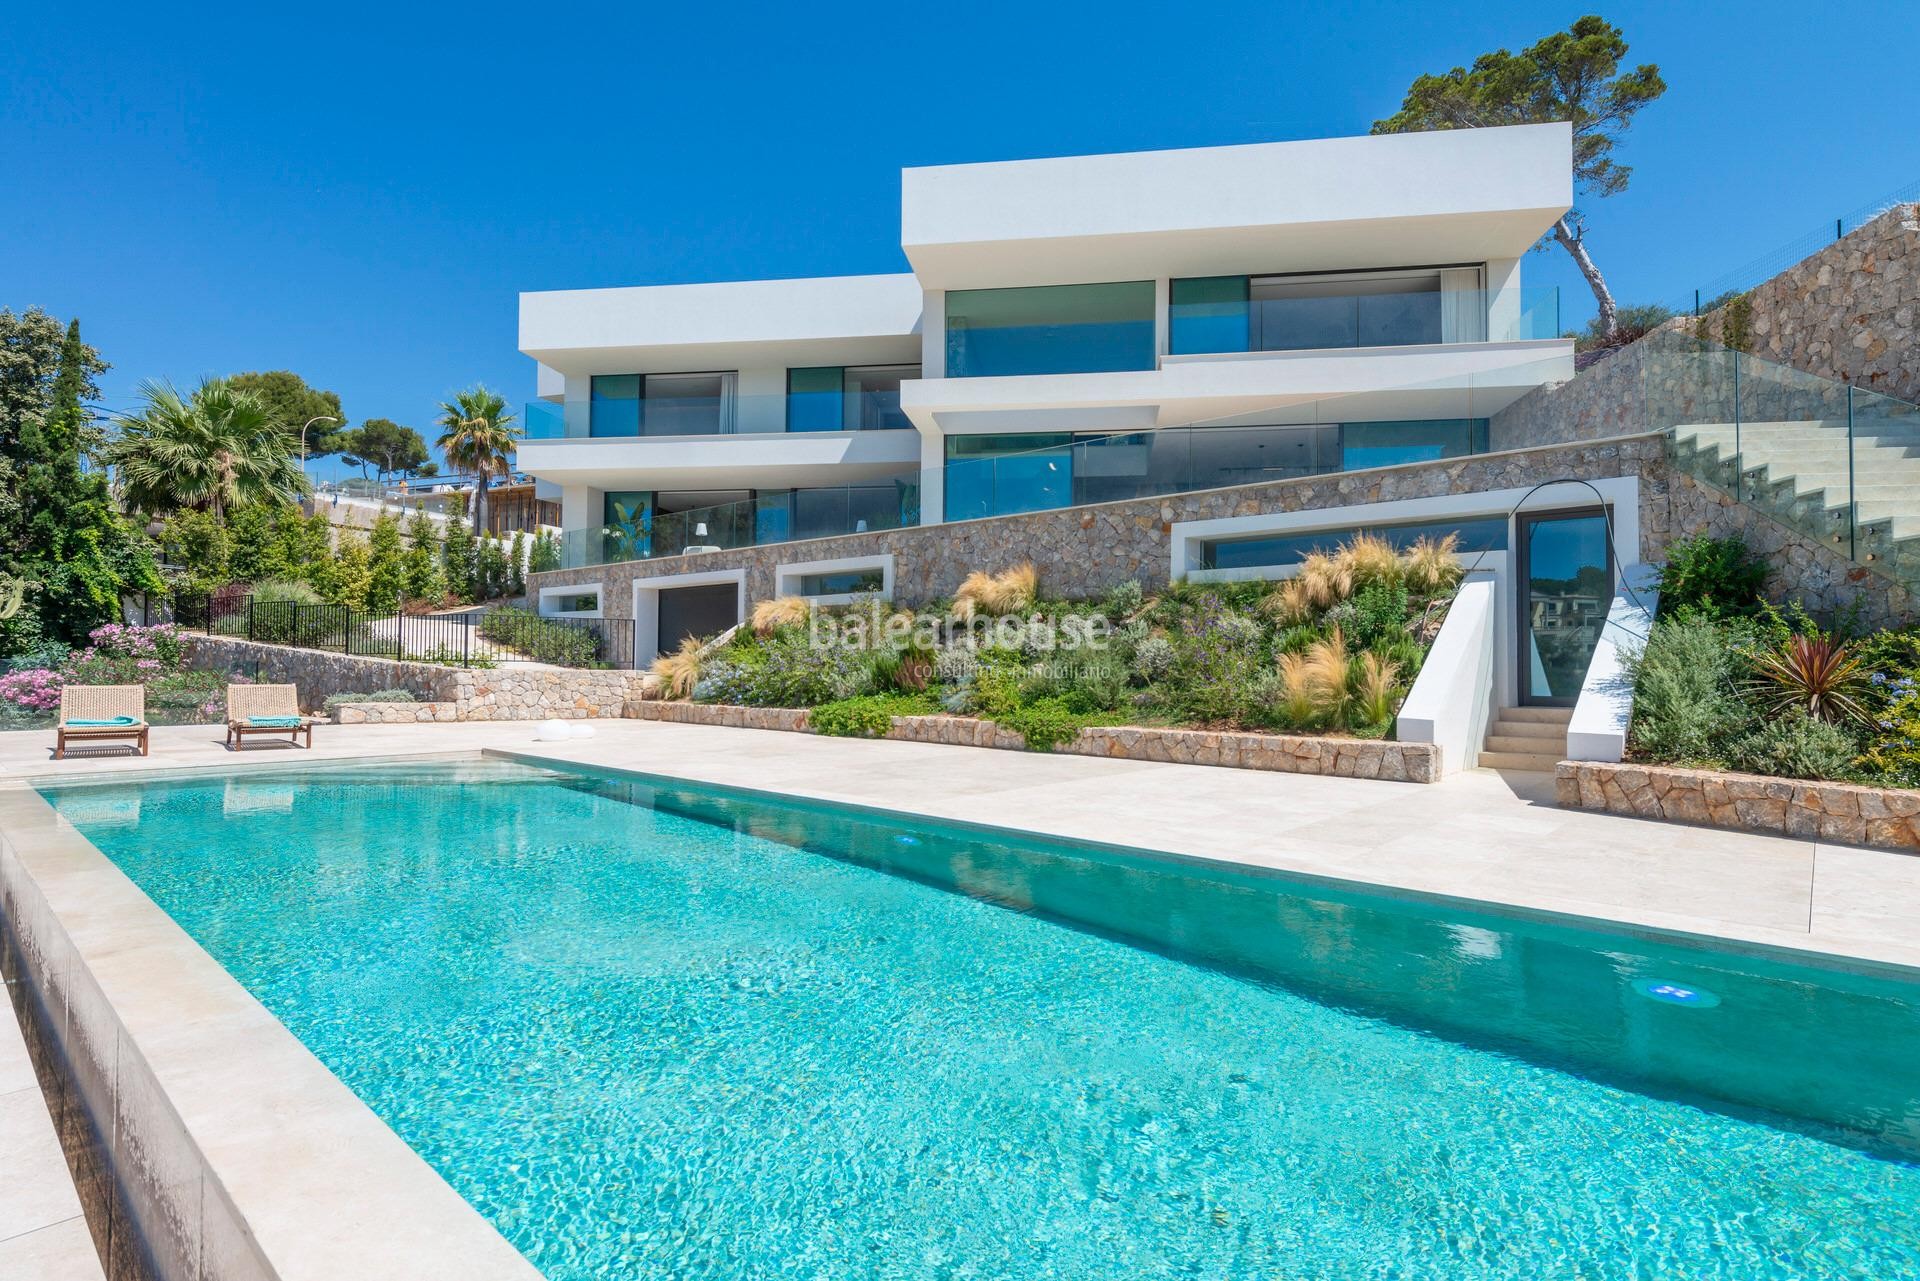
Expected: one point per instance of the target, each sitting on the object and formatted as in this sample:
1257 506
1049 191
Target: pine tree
387 570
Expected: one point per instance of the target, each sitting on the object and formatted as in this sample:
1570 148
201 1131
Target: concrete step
1555 715
1524 745
1527 729
1538 762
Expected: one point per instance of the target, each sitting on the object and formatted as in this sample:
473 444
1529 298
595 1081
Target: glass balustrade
1224 314
1834 462
871 409
770 516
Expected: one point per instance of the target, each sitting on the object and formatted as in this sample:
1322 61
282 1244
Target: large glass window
1208 313
1050 329
873 396
846 582
1566 585
616 405
847 398
627 523
1277 551
1298 313
1388 444
661 404
813 398
686 404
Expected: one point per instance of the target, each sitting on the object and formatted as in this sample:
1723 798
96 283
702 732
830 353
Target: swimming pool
651 1029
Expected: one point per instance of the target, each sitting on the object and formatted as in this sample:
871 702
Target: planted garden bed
1199 671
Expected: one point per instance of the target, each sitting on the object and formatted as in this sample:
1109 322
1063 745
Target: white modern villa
1073 330
1096 330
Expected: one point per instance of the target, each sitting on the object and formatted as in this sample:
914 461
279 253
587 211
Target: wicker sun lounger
265 709
90 713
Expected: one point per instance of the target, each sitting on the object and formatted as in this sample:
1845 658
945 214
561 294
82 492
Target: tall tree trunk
1573 240
480 503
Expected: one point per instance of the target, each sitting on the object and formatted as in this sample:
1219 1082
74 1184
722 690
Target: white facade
1398 255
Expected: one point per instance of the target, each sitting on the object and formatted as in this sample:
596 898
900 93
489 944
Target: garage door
703 611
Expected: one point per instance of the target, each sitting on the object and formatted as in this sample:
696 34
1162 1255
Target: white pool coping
235 1152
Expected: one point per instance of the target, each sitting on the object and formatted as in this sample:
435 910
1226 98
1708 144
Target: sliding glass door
1565 574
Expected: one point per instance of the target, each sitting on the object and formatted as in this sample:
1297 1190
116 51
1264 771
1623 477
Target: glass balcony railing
1836 463
745 414
1316 318
771 516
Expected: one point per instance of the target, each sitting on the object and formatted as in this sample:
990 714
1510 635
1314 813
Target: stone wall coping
1844 813
1283 753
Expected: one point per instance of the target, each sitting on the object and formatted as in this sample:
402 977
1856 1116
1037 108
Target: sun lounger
101 713
265 709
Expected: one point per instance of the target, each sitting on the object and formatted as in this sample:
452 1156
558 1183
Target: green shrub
1049 722
1717 577
1892 755
544 640
868 715
1123 600
1687 707
376 696
1795 745
1379 613
783 670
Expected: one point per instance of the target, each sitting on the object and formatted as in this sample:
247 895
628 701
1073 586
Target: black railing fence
480 638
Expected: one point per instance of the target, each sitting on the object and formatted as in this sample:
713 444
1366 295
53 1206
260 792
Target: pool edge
220 1147
1775 949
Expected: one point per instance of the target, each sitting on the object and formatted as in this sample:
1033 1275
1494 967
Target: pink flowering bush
34 690
120 655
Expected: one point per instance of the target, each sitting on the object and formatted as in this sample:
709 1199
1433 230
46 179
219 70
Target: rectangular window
1384 309
1207 313
616 405
1389 444
845 582
686 404
873 396
1050 329
813 398
582 603
847 398
1278 551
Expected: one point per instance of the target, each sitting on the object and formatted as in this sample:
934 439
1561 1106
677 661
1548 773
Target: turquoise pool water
662 1031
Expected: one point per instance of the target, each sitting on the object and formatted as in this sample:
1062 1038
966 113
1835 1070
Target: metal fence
471 639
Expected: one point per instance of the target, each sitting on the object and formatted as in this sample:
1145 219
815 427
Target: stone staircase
1527 738
1860 496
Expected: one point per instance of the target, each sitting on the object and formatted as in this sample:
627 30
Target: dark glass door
1566 588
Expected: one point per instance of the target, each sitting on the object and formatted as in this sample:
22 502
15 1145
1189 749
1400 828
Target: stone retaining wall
515 692
1850 313
1888 818
394 713
1083 551
1281 753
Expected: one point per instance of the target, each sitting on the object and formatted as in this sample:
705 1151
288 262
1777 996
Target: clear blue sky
358 193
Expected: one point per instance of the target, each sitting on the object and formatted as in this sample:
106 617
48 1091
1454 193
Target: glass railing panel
544 420
755 414
772 516
1210 321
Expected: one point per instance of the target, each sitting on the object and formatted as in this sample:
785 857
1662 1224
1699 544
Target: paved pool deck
43 1234
1479 835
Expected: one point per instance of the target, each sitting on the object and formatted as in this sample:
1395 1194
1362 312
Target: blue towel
275 722
110 721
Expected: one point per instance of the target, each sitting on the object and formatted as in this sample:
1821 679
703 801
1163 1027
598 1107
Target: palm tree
212 450
478 437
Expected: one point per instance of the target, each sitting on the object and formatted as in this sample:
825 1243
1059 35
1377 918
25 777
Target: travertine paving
42 1233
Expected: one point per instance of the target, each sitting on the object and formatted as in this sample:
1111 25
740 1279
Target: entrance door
1566 587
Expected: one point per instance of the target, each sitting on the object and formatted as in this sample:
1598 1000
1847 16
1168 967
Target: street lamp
321 418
